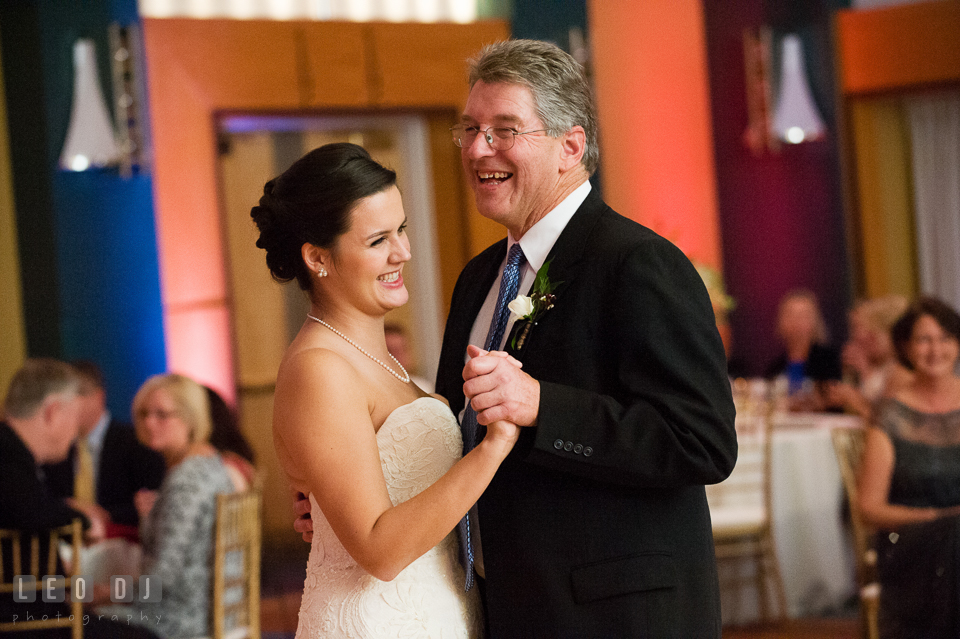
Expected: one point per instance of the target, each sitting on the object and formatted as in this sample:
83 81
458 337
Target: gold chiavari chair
12 559
848 446
741 513
236 565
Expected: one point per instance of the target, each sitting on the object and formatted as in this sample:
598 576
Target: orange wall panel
901 47
420 65
656 141
336 64
229 63
200 349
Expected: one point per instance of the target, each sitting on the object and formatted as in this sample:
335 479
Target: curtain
934 122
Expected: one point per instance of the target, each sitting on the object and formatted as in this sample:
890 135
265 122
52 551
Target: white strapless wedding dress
418 443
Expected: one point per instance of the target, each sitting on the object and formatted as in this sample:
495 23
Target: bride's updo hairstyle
311 203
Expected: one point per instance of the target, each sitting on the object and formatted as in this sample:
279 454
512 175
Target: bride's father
597 524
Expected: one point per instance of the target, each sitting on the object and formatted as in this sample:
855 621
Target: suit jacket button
558 444
568 446
578 449
587 451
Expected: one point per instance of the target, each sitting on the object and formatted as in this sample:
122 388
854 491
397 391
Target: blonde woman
869 358
172 416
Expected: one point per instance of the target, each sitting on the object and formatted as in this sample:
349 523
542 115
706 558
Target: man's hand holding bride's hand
498 390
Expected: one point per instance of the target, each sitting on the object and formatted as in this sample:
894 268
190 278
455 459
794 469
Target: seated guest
871 369
807 361
172 416
230 442
910 479
41 422
118 465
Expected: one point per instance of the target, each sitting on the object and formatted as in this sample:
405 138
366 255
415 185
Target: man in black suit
41 421
121 464
597 524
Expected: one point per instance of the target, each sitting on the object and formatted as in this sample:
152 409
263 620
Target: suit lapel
565 255
568 250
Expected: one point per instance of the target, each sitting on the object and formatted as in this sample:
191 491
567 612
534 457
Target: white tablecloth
813 545
99 562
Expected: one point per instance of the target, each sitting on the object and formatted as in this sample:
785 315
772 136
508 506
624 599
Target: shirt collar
95 438
537 242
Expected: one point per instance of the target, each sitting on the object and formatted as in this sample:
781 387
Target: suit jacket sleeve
58 477
647 394
25 502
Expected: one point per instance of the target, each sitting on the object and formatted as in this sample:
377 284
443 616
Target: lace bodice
418 443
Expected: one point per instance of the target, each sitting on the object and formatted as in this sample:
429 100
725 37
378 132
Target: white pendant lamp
795 117
91 140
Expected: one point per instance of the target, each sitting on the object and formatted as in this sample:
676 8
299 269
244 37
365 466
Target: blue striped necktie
509 284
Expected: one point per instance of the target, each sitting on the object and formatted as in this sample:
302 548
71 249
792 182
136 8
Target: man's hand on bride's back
303 524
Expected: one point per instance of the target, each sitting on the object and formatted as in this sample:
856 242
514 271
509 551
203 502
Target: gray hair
38 379
561 94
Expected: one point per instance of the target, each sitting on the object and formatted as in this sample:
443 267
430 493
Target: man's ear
314 257
51 409
573 144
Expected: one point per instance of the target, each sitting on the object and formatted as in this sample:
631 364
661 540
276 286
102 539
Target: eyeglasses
161 415
500 138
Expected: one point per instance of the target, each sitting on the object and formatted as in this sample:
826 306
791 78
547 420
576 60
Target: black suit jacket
597 525
126 466
27 505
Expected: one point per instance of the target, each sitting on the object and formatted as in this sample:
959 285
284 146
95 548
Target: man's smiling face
518 186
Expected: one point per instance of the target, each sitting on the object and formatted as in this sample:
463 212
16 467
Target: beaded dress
919 565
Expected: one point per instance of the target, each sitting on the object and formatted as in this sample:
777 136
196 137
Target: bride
380 459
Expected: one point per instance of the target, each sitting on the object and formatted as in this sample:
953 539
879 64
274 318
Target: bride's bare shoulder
316 368
440 397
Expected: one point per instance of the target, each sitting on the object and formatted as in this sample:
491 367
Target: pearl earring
321 272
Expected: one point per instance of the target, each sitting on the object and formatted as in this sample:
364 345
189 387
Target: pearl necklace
405 378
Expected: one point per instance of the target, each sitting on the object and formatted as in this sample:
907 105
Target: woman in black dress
910 480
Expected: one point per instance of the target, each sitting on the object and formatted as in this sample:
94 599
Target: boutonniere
529 307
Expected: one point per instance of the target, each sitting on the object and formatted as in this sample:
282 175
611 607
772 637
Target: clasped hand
503 396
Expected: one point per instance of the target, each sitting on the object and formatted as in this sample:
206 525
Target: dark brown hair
939 310
310 203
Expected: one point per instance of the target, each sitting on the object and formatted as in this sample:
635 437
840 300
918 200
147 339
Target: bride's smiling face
366 265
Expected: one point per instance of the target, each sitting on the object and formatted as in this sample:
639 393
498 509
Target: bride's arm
322 420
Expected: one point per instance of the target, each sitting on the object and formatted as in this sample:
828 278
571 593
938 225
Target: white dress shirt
536 244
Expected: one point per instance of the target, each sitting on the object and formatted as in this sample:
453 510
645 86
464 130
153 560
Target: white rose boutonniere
529 308
522 306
